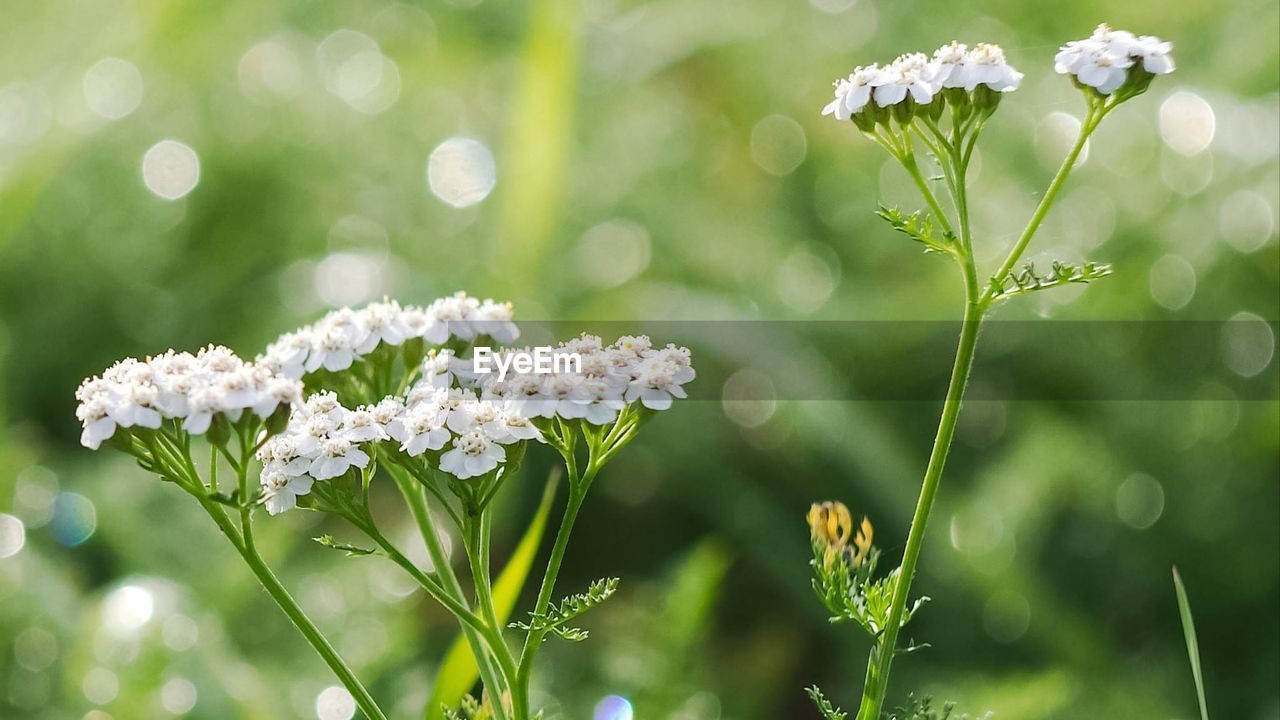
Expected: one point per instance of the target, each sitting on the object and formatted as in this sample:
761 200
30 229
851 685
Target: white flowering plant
392 388
940 105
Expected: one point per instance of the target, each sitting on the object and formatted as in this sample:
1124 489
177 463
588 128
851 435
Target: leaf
459 671
1193 647
540 138
829 711
1028 280
554 620
919 227
351 550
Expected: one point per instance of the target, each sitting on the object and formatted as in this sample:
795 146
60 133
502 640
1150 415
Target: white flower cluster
344 336
1104 59
921 78
179 385
323 439
611 377
468 418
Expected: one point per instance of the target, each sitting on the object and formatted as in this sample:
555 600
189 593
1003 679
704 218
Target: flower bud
414 351
278 420
219 430
985 100
830 523
935 108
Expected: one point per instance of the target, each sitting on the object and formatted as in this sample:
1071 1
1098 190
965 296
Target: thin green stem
478 557
913 168
243 541
415 496
882 656
578 487
1087 126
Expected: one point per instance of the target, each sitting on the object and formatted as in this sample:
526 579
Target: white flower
182 387
1103 60
337 455
985 65
421 428
494 319
472 454
513 426
949 62
852 93
288 354
280 492
908 75
359 426
1156 58
380 323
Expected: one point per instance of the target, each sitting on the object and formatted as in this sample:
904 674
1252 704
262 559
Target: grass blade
1193 647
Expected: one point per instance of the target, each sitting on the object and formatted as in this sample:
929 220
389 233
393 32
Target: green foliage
829 711
850 592
1193 645
469 709
1028 280
919 227
922 709
554 620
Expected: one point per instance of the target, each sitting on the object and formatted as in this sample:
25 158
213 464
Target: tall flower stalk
333 409
940 105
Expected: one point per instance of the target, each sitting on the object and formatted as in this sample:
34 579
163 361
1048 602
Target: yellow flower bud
831 523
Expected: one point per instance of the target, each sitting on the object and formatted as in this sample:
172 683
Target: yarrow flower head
189 389
1115 60
915 81
609 379
346 336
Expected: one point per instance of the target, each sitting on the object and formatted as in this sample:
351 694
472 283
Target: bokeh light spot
100 686
335 703
1172 282
13 535
178 696
612 253
613 707
112 88
1006 616
1139 501
1248 344
749 398
1186 123
74 519
805 281
1246 220
170 169
778 144
461 171
127 609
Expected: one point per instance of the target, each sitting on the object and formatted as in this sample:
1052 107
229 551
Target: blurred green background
653 161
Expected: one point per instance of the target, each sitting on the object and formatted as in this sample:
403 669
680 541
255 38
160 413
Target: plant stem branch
1087 127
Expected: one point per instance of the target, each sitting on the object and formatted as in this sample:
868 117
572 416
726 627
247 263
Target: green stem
478 558
882 655
242 540
913 168
1087 126
533 641
415 496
